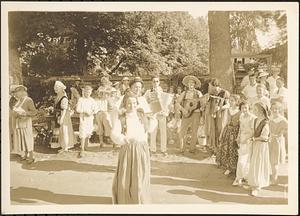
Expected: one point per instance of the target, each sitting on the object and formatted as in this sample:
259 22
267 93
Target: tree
220 65
116 42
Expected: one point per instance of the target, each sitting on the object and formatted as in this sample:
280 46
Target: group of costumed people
240 130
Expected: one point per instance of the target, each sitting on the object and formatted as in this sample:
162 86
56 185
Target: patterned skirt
227 154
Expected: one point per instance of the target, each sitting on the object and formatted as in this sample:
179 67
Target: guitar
191 106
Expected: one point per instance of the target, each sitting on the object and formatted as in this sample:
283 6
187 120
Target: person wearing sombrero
86 107
259 169
23 111
193 121
102 118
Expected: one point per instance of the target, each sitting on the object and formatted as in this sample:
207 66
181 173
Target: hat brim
20 88
186 79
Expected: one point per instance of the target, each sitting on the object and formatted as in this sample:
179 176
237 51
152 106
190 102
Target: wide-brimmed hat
135 80
20 88
186 79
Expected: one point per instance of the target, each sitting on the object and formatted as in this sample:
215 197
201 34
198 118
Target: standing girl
259 170
244 143
63 117
131 184
23 111
227 153
278 127
86 108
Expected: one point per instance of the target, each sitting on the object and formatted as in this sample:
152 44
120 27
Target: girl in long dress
259 169
86 107
131 184
63 121
227 153
278 127
23 111
245 134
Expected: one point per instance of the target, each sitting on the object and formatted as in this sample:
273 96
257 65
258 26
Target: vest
258 129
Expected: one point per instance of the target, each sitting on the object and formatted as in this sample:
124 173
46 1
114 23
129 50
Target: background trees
63 43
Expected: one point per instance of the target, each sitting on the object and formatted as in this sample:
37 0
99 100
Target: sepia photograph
149 107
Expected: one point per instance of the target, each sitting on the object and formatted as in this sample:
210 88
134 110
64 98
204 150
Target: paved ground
176 179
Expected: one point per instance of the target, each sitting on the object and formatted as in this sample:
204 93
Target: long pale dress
260 169
278 126
86 125
245 145
66 137
131 184
23 133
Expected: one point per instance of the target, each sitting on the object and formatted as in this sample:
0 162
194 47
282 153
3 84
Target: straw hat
186 79
20 88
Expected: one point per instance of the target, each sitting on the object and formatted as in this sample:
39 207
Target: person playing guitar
188 103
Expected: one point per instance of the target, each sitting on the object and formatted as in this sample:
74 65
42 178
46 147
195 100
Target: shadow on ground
63 165
243 199
29 195
202 177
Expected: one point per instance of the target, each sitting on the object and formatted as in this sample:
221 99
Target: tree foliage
68 43
244 24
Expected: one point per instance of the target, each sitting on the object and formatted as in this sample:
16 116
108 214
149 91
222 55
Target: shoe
23 158
227 172
30 161
80 154
236 182
254 192
165 154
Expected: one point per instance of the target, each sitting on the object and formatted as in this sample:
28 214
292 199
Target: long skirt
227 153
23 140
131 184
66 138
260 169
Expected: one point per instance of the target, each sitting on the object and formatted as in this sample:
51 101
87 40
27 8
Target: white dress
86 126
260 167
245 145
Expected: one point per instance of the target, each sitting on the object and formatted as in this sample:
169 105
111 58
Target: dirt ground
175 179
